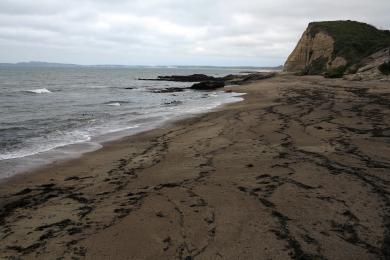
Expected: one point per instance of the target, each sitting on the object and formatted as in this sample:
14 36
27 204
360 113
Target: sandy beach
298 170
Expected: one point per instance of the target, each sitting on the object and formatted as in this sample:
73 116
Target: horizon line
46 63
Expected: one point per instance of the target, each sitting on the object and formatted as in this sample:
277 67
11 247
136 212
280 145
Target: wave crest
115 104
39 91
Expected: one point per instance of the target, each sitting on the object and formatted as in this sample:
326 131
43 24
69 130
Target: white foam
122 128
62 139
40 91
116 104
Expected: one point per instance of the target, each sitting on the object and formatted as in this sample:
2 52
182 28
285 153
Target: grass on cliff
353 40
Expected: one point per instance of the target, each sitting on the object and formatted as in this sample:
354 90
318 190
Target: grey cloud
219 32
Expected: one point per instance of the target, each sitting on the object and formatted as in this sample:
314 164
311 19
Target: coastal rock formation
183 78
311 53
244 79
205 82
208 85
370 67
340 47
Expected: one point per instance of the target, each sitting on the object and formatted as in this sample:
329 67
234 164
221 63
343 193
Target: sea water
51 113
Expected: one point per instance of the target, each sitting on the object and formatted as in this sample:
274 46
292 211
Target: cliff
336 48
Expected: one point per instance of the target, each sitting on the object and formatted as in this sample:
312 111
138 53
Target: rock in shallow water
183 78
208 85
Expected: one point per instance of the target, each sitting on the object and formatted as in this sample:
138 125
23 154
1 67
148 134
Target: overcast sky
168 32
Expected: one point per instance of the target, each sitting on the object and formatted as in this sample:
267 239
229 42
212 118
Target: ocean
48 114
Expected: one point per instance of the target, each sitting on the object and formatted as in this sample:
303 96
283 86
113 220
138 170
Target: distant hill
38 64
335 48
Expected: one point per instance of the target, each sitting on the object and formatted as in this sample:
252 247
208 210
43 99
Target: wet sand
299 170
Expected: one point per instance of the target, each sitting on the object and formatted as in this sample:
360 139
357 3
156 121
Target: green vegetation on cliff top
353 40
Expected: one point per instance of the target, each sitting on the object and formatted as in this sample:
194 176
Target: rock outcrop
205 82
184 78
247 78
337 48
370 67
208 85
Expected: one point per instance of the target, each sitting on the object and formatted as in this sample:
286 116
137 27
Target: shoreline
61 154
109 143
295 170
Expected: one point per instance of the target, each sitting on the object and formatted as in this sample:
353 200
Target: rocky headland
355 50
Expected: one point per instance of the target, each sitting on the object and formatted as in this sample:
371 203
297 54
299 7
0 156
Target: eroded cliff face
313 54
369 68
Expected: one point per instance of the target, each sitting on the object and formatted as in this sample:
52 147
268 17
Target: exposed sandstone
309 51
337 62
